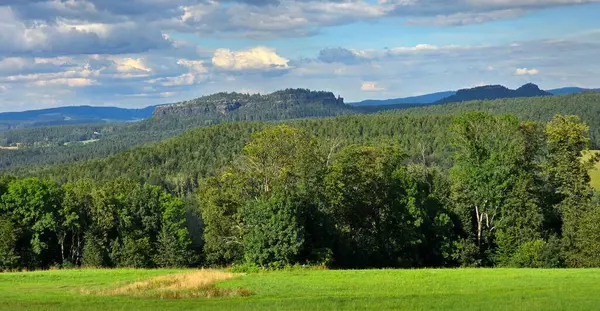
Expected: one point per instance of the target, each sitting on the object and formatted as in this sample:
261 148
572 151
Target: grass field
460 289
594 172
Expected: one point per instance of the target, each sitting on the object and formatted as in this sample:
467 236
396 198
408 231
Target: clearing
429 289
594 172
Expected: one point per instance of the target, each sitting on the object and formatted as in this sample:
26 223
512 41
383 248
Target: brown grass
197 284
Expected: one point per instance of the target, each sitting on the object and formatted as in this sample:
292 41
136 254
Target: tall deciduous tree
33 206
493 186
567 138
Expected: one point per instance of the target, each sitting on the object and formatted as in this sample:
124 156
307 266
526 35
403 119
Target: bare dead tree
336 144
480 216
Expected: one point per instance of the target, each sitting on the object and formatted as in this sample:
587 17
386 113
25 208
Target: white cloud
184 79
70 82
526 71
261 58
466 18
196 66
131 65
196 74
67 37
2 88
371 87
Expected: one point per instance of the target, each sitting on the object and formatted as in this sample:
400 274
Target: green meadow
429 289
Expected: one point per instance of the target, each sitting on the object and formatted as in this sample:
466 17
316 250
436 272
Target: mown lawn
446 289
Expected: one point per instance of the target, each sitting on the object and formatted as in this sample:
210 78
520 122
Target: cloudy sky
134 53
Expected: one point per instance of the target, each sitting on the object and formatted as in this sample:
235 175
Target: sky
136 53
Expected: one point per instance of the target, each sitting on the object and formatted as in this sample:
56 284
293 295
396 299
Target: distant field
595 172
459 289
85 142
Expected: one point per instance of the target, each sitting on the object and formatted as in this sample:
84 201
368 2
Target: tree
8 239
493 181
74 220
567 138
368 204
274 229
221 199
32 204
174 239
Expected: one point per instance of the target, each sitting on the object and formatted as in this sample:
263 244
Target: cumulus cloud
196 66
70 38
70 82
256 58
371 87
526 72
196 74
131 65
340 55
138 52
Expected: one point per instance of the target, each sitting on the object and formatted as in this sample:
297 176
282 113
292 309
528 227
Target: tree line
516 194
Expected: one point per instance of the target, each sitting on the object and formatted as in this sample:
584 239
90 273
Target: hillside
71 115
584 105
490 92
65 144
199 152
571 90
413 100
116 138
423 125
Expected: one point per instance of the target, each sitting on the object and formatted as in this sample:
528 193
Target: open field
84 142
459 289
594 172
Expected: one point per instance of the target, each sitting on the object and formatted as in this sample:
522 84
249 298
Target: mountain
571 90
490 92
284 104
422 99
71 115
68 143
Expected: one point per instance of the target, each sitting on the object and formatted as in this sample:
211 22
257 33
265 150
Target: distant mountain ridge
71 115
571 90
421 99
490 92
284 104
438 97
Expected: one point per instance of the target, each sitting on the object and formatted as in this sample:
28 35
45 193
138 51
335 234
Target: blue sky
142 52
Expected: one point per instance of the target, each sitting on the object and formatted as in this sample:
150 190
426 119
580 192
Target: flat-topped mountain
289 103
489 92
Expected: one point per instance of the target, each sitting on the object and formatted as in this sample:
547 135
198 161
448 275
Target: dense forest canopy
491 183
516 194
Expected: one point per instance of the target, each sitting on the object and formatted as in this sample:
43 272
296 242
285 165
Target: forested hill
116 138
71 115
489 92
585 105
285 104
422 132
179 163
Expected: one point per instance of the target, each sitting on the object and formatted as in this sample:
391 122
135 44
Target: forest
406 189
59 145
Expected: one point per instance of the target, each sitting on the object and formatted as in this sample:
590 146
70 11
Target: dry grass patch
197 284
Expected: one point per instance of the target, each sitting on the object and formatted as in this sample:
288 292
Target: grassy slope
468 289
594 172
